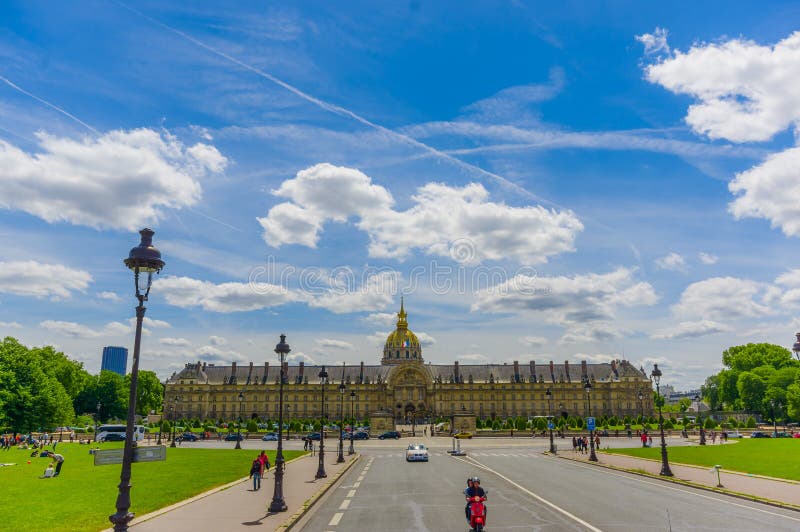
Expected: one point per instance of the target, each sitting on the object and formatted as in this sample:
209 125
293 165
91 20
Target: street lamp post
641 405
239 423
146 259
774 423
323 377
278 503
352 422
97 420
342 389
173 417
665 470
549 395
796 346
587 386
288 421
700 421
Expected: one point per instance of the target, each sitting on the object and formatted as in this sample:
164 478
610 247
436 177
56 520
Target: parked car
357 436
233 437
759 434
189 436
392 434
416 452
782 435
463 435
796 435
734 434
270 436
313 436
113 436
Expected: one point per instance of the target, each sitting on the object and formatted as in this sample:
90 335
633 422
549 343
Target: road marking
532 494
690 492
351 494
356 484
336 518
345 504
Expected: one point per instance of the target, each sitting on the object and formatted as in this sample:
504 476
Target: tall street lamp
665 470
239 423
587 386
796 346
549 395
323 377
700 421
144 258
342 389
774 423
278 503
97 420
641 405
174 417
352 422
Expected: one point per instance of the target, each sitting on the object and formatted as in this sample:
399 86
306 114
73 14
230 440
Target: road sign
140 454
590 423
551 426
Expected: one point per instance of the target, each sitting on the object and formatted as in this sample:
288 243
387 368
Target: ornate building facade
406 386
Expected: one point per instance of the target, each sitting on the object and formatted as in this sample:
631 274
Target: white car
416 452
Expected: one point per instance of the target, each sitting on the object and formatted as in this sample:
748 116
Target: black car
233 437
113 436
361 435
189 436
759 434
313 436
391 434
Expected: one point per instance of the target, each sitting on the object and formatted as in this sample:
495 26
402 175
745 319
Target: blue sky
541 182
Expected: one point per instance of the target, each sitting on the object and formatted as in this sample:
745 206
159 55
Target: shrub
252 426
751 422
709 423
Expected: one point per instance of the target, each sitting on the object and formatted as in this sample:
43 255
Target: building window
406 354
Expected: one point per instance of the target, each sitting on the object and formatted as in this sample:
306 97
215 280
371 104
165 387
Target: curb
203 495
673 480
308 504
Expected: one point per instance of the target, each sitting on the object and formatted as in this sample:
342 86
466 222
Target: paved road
527 491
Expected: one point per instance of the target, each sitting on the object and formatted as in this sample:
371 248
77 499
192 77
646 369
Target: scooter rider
472 491
469 486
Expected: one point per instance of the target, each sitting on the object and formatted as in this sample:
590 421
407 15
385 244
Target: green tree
751 422
149 392
751 390
108 389
252 426
750 356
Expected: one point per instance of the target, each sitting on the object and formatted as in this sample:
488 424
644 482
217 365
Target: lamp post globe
239 423
278 503
587 386
656 375
342 389
323 378
549 395
352 450
142 259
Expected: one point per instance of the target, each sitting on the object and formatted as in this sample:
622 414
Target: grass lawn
84 495
778 458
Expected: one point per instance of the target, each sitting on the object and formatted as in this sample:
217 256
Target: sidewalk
240 508
772 489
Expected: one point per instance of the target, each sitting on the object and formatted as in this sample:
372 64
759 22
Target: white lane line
664 485
532 494
345 504
356 484
351 494
336 518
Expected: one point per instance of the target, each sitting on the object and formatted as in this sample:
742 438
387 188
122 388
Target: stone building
408 388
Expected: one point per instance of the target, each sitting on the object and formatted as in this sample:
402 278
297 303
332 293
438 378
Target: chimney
233 373
566 370
455 371
361 375
516 371
302 367
250 373
266 372
532 365
552 372
584 373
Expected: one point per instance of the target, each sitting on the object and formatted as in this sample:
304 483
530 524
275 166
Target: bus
117 433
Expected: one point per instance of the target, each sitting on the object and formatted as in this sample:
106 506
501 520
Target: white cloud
691 329
378 338
10 325
721 298
374 294
473 358
176 342
186 292
446 221
597 358
654 43
707 258
672 261
770 190
78 330
381 318
31 278
121 179
150 322
217 340
533 341
331 343
568 300
786 290
425 339
215 355
110 296
512 104
596 332
745 90
301 357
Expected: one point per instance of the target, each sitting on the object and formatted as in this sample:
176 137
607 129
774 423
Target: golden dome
402 343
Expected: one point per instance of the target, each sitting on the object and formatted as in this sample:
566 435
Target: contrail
48 104
341 111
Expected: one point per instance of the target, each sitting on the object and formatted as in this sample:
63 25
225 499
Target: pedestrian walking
255 474
574 444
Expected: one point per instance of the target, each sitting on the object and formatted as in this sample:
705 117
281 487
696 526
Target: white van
117 433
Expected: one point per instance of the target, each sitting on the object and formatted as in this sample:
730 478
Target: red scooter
477 513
